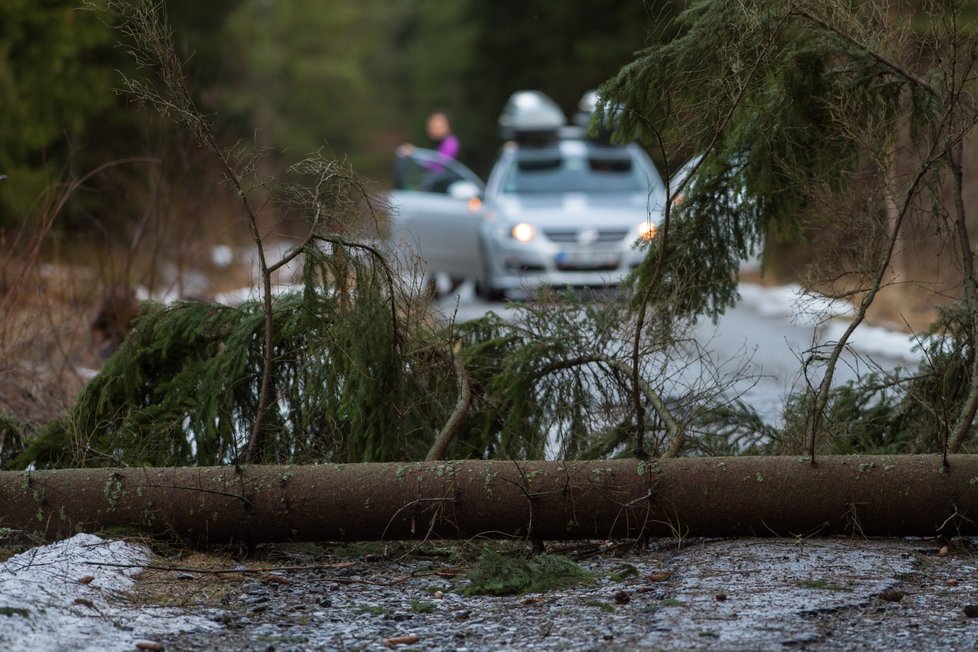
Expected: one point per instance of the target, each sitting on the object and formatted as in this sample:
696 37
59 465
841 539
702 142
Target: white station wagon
558 209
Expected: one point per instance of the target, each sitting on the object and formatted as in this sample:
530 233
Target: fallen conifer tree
761 496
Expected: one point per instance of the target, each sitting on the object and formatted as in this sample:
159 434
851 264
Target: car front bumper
543 263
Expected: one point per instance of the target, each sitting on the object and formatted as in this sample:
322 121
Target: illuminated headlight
523 232
646 231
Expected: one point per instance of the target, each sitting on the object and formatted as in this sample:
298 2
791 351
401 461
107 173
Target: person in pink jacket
439 129
446 143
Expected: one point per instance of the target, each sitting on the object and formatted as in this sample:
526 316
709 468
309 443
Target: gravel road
87 593
750 594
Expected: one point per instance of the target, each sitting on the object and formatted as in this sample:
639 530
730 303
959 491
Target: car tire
484 288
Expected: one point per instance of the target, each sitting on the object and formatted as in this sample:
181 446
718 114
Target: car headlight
523 232
646 231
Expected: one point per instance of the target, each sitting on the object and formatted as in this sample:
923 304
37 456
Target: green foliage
623 571
436 43
902 412
296 75
716 227
782 112
547 371
554 379
309 74
11 612
497 574
353 385
183 388
14 433
733 428
359 78
61 118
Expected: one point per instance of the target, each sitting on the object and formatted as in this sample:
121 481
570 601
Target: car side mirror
463 190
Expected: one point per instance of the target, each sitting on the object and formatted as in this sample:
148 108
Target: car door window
428 171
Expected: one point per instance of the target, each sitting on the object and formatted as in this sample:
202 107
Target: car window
427 171
575 173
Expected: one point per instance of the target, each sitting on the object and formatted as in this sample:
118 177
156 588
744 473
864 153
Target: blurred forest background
354 78
99 196
118 197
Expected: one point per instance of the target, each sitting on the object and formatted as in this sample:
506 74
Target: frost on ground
71 595
743 594
763 596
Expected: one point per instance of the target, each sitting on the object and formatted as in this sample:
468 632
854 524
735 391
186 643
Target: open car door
437 213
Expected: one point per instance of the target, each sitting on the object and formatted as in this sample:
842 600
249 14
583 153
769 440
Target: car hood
574 209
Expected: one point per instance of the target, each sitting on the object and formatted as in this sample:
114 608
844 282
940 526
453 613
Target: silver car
570 212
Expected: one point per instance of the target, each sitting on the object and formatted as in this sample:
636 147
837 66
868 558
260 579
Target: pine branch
892 66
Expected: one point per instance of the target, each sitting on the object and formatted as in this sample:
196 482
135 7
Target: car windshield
589 172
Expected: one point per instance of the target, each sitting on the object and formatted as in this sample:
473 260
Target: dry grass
187 589
53 284
46 352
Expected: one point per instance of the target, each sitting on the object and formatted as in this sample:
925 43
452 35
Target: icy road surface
87 594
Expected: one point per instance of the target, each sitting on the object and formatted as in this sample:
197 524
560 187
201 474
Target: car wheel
484 288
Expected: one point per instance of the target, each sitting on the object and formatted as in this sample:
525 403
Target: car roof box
586 108
531 118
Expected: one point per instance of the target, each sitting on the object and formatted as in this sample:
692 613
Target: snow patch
222 256
68 595
792 302
878 342
243 295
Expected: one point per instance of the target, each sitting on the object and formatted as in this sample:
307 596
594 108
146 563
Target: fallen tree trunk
783 496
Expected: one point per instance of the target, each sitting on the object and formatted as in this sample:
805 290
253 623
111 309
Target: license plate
587 259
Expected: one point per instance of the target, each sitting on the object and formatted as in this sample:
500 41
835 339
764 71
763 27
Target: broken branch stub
783 496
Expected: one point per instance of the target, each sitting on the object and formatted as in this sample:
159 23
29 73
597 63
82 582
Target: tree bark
776 496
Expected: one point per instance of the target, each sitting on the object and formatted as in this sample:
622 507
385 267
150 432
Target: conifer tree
790 108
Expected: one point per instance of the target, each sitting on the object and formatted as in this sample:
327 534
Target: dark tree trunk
783 496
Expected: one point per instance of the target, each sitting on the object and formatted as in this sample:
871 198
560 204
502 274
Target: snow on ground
876 341
67 595
792 303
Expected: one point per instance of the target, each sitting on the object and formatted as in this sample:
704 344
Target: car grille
574 235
